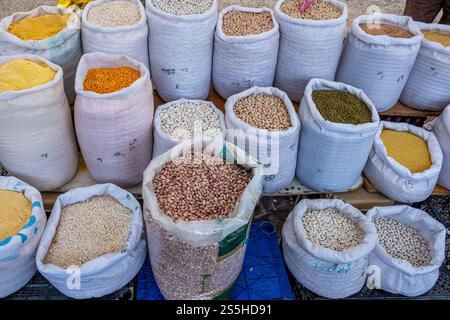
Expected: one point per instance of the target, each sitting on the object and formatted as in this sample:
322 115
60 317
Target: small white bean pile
187 120
183 7
114 14
88 230
403 242
329 228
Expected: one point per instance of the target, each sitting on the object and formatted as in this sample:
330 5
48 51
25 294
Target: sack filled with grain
310 43
441 129
409 264
263 122
199 200
405 162
114 116
37 141
379 55
181 37
22 222
326 246
118 26
184 120
339 124
94 242
245 49
50 32
428 86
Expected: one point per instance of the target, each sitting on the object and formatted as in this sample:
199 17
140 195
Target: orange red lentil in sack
438 37
108 80
39 28
385 29
408 149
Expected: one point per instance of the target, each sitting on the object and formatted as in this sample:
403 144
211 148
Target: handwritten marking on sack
133 145
380 75
73 281
44 156
244 83
100 160
172 71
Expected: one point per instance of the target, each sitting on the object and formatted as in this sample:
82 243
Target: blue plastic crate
263 275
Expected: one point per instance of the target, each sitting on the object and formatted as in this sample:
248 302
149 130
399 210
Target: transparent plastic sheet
199 259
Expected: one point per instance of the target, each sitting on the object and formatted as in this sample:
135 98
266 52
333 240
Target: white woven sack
396 181
242 62
163 142
63 49
199 235
441 130
329 273
181 51
428 86
130 40
37 141
107 273
276 150
114 130
399 276
18 253
308 49
331 155
379 65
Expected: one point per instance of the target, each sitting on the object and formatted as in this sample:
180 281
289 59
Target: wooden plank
364 200
402 110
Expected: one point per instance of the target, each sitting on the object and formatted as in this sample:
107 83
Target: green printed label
233 242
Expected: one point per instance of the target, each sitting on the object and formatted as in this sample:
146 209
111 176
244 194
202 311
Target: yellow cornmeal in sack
408 149
438 37
39 28
15 210
21 74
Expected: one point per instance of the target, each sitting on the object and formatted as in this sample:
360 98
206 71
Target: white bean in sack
398 275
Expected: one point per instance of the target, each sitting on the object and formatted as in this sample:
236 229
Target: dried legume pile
387 30
238 23
185 120
15 210
313 10
88 230
408 149
341 107
403 242
21 74
107 80
181 268
330 229
438 37
39 28
199 186
264 112
183 7
114 14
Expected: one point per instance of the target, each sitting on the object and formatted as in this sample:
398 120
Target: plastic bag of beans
327 272
428 86
379 64
164 142
332 155
394 179
399 276
18 253
37 143
242 62
123 39
276 150
114 129
181 50
63 49
441 129
308 49
199 259
107 273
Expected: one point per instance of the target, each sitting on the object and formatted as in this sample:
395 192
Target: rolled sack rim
191 18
